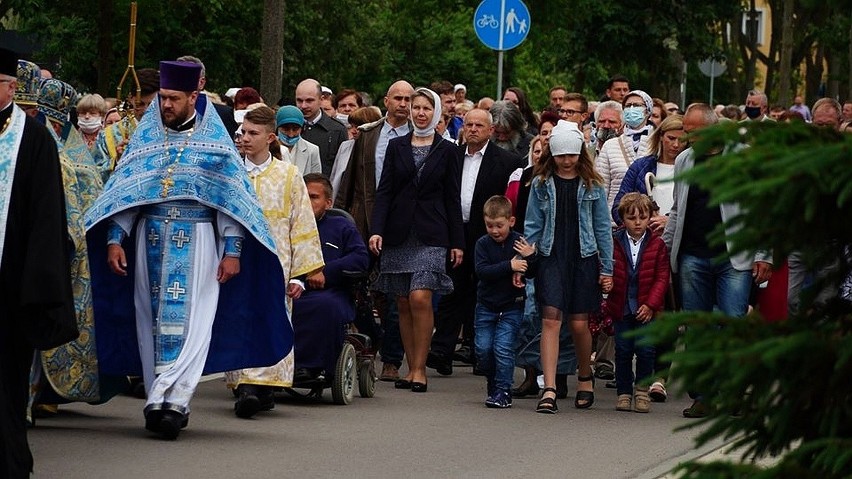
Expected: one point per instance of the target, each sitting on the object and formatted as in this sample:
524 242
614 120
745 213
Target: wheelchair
356 363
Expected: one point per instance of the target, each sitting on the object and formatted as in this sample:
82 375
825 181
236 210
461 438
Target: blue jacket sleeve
485 268
603 232
534 217
353 257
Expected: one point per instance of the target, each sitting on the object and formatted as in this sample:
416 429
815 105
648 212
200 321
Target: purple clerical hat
8 62
179 76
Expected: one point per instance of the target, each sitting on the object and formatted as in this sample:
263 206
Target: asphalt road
446 432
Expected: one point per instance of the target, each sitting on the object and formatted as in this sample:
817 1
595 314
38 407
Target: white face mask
90 125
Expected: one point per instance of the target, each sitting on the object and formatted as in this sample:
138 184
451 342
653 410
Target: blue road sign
501 24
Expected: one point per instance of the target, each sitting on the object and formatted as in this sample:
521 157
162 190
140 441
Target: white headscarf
436 117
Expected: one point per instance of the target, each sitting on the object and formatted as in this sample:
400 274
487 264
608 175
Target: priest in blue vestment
195 285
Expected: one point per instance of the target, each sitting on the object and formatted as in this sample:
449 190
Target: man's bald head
308 93
477 128
397 102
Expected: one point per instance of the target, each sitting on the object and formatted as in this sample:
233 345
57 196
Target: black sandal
547 405
585 399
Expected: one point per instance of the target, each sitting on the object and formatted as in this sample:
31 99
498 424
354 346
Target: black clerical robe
36 303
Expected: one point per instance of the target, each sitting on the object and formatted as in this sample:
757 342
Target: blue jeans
706 283
494 340
625 348
392 351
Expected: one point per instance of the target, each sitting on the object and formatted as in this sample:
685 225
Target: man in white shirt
485 172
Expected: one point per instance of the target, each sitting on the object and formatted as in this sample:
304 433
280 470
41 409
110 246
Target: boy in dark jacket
640 282
501 256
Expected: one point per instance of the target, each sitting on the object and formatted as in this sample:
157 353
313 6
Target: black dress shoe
152 420
418 387
439 363
266 397
464 355
524 390
402 384
561 386
247 405
530 385
170 424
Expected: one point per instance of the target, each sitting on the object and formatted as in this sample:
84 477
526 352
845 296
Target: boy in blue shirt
502 257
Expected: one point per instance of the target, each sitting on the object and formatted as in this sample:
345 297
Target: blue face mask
634 116
287 140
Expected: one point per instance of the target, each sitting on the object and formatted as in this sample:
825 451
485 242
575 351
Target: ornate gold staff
123 109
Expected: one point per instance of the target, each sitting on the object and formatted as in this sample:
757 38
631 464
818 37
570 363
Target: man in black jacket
485 170
319 129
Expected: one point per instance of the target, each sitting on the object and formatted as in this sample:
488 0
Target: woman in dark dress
415 221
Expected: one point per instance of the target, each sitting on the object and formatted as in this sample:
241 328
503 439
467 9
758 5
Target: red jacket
653 274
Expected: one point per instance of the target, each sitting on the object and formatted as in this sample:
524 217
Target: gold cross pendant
167 184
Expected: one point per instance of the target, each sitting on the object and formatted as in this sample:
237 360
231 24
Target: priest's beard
179 118
511 145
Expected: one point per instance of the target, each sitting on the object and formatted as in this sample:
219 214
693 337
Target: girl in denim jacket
568 219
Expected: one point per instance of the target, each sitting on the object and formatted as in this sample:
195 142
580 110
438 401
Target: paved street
446 432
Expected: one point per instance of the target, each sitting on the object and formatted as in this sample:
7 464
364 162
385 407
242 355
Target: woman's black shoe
585 399
418 387
402 384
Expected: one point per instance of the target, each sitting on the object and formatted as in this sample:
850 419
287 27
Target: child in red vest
640 282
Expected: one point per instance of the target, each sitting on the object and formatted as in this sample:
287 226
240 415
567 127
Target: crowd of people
175 233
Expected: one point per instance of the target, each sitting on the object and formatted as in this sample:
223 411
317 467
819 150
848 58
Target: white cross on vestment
174 213
175 290
180 238
153 237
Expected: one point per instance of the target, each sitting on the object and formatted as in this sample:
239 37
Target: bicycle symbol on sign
487 21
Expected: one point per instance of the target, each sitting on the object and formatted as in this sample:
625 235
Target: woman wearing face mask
91 110
417 228
295 149
656 170
618 153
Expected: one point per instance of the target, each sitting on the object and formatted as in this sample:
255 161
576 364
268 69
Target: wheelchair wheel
367 378
345 376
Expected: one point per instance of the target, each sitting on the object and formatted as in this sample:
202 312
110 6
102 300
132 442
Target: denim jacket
595 230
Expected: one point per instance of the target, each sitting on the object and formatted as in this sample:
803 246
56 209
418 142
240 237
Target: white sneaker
657 391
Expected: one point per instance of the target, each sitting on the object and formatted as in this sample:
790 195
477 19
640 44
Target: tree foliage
368 44
777 388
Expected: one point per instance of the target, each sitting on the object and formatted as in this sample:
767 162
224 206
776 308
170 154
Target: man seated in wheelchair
326 307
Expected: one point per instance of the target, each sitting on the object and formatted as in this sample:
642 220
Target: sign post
712 68
501 25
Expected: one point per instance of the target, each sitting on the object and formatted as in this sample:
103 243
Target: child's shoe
623 403
500 399
642 400
658 391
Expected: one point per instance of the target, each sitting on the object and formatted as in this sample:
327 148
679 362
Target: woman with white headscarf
416 220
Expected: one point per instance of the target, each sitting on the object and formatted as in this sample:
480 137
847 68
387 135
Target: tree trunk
785 68
833 80
272 51
814 72
849 64
106 18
